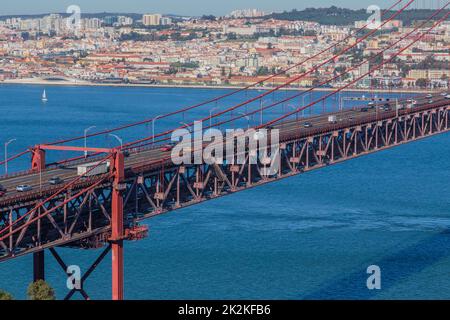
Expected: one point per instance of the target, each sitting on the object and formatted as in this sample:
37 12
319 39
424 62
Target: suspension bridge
103 208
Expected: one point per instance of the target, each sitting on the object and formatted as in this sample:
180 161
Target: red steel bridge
94 211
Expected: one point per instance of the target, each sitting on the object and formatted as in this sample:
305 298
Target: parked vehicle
55 181
93 169
24 188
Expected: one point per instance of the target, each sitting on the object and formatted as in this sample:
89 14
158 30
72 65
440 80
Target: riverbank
42 82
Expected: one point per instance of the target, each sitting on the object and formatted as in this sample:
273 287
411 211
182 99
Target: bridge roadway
40 182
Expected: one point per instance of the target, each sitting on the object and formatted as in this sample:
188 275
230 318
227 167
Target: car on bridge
92 169
386 107
168 147
447 96
2 190
55 181
332 119
307 125
24 188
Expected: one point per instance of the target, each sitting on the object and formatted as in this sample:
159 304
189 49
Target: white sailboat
44 96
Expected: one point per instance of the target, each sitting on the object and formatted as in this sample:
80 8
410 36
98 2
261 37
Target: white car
24 188
447 96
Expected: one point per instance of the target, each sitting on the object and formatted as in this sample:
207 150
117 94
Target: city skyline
196 7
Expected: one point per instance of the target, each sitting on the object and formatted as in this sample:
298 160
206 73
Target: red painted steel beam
38 163
117 232
38 159
70 148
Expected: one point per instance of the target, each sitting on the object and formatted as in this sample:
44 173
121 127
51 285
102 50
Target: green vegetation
185 65
431 63
209 17
5 295
153 36
265 71
40 290
422 83
342 16
134 36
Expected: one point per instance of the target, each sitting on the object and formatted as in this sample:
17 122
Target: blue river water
307 237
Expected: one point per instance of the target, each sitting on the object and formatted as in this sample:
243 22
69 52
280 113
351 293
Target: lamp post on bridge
153 127
6 154
303 103
261 105
210 116
85 139
246 117
118 139
188 127
293 107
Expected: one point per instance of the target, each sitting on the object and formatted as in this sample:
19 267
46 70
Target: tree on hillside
40 290
422 83
5 295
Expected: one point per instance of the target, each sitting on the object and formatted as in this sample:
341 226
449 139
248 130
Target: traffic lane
41 181
37 182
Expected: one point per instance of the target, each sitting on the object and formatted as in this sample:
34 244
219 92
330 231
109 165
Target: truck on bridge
93 169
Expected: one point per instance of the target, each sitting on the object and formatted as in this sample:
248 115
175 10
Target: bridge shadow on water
395 268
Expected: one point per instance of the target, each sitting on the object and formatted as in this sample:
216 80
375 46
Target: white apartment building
151 19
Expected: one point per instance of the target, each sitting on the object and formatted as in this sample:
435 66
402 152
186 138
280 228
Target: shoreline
39 82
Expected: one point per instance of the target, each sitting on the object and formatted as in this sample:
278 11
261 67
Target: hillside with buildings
234 50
